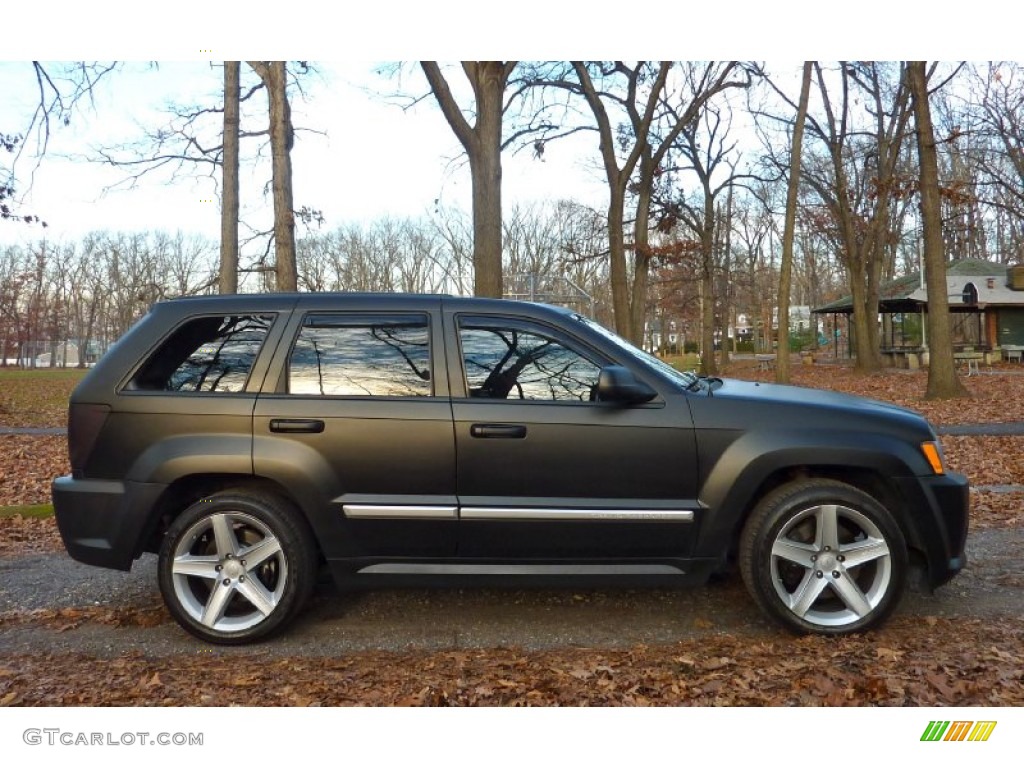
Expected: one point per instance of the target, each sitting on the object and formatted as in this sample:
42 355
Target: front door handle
314 426
511 431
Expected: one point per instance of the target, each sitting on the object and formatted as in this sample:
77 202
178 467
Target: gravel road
336 623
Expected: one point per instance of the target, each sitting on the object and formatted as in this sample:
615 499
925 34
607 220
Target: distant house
986 303
36 354
67 356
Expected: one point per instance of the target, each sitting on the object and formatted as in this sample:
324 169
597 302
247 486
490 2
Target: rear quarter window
213 354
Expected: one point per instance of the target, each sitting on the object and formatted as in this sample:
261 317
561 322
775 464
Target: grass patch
28 510
688 362
42 374
37 397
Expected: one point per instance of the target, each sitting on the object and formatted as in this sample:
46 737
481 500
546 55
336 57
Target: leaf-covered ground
21 535
996 394
28 464
911 662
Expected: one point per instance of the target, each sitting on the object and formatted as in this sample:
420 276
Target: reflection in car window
519 362
375 356
208 354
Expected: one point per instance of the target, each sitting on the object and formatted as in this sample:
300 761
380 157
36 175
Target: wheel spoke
224 534
260 551
203 566
804 596
253 591
861 552
793 551
851 595
216 604
828 527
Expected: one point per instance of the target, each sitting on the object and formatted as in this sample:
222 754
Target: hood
784 397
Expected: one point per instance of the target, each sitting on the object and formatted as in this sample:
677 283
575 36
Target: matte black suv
250 439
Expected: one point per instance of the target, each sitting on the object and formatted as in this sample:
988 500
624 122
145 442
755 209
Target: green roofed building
986 303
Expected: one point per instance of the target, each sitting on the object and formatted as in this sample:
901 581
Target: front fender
732 482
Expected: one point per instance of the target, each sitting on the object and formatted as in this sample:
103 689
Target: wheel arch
747 473
186 490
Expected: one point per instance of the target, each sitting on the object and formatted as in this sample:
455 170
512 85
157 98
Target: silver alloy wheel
831 565
229 571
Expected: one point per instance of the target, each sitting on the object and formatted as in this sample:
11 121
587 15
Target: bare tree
482 142
230 203
993 121
644 93
1001 118
282 137
703 149
789 228
200 139
61 90
942 377
855 172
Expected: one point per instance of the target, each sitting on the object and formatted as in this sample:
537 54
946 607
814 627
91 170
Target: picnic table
970 358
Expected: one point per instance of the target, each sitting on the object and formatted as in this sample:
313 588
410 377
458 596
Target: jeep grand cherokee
250 440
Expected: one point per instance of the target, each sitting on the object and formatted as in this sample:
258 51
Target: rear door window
362 356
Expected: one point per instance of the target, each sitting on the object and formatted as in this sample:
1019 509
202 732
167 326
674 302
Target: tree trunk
482 143
943 381
229 210
641 250
617 264
486 175
728 308
274 76
789 229
708 363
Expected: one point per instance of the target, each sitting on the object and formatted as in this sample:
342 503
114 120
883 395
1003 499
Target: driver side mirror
617 384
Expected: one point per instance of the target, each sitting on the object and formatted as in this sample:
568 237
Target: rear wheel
236 567
825 557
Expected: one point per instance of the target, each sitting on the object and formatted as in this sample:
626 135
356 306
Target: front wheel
822 556
235 567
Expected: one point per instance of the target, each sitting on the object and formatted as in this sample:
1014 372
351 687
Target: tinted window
207 354
519 361
376 356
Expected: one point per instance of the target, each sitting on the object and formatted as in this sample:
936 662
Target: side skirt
369 573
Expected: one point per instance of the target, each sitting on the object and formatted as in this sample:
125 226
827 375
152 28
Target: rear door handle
510 431
314 426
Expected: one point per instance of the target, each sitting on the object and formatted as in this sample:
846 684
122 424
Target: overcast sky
361 156
364 157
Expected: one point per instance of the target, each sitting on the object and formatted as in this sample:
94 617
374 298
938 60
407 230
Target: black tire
214 590
820 556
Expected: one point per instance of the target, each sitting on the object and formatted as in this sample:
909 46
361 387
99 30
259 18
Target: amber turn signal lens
934 455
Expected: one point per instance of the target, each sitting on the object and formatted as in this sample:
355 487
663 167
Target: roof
909 290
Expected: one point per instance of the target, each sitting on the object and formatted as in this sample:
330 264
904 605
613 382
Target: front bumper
103 522
938 523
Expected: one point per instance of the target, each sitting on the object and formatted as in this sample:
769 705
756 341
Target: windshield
683 378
